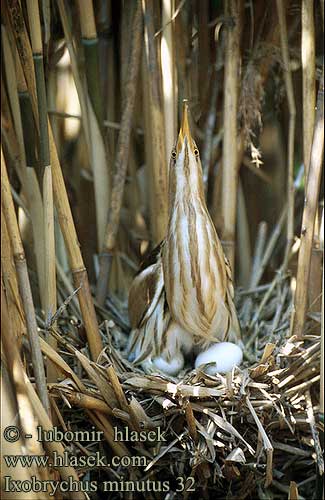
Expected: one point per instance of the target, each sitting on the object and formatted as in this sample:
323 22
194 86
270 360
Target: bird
182 298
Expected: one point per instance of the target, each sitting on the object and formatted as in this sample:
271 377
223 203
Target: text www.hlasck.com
65 460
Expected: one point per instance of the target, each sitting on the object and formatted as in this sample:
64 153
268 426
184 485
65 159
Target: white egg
170 368
225 355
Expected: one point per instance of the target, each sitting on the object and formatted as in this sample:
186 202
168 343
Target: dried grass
248 435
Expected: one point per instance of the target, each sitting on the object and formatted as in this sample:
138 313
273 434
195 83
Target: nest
250 434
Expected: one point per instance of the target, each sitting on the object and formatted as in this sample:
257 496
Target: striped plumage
183 298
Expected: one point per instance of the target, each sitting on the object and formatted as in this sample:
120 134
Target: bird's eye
174 155
196 152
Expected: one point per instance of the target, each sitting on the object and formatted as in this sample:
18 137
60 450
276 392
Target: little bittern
183 297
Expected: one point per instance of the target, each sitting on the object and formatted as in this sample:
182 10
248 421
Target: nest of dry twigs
250 435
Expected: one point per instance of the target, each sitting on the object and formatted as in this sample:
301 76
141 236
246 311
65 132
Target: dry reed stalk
88 402
158 171
9 276
309 214
8 417
94 138
78 270
11 358
20 106
168 74
79 273
121 159
134 197
308 77
314 433
24 285
182 43
148 185
322 359
67 472
16 20
308 104
266 443
269 248
230 142
258 253
245 254
292 125
68 286
121 398
35 204
50 299
293 491
203 52
107 67
90 44
62 6
190 419
208 133
54 83
126 29
101 421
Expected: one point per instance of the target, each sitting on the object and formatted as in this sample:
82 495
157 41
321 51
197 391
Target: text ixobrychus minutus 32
182 298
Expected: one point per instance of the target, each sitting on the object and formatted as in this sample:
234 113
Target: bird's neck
186 186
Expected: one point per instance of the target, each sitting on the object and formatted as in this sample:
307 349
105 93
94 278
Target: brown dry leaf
141 415
258 371
60 363
268 350
175 389
102 384
293 491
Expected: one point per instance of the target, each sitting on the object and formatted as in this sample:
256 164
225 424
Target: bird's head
185 164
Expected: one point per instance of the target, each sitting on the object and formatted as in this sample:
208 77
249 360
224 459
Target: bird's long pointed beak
184 131
185 128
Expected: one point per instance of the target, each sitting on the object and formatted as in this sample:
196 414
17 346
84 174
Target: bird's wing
146 289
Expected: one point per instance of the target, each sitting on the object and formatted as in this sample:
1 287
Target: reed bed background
91 100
